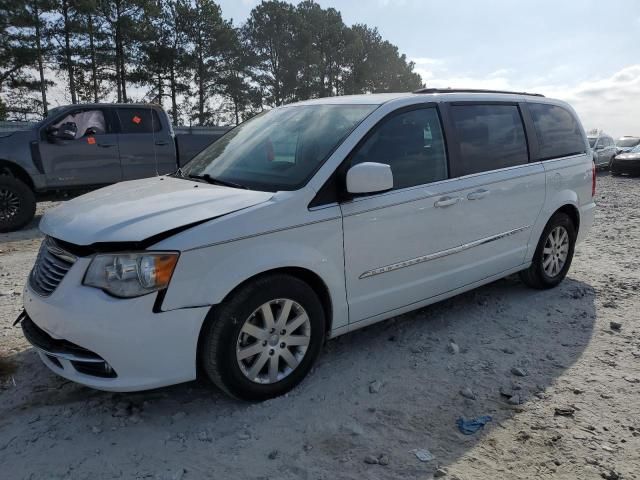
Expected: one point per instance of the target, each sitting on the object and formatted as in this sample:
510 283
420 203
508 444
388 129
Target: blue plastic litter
469 427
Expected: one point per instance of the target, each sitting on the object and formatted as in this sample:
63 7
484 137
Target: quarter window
559 133
138 120
490 137
412 144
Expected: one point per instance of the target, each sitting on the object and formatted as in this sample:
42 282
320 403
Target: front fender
206 275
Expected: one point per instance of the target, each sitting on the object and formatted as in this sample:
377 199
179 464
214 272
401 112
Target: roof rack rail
472 90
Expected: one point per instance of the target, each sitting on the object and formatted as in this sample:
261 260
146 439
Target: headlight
131 274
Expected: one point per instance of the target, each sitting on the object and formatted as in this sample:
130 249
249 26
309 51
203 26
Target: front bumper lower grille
64 354
52 264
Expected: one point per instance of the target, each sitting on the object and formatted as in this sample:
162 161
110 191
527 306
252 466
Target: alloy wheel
9 204
273 341
555 251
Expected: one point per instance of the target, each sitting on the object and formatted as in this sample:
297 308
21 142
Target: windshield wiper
216 181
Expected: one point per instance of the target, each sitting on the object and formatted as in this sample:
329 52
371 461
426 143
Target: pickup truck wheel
553 255
262 342
17 204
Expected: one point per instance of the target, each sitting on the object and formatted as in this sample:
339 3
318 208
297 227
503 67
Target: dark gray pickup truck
82 147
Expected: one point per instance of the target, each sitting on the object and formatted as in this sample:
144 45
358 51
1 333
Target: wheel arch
10 168
572 212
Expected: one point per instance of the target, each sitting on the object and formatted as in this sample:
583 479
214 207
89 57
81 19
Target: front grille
52 264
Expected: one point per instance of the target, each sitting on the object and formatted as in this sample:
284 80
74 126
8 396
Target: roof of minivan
380 98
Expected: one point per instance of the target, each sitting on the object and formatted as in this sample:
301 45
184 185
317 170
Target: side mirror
66 131
369 177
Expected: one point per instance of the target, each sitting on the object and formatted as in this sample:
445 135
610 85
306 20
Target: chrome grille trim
52 264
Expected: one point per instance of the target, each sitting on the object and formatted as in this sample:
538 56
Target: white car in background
307 222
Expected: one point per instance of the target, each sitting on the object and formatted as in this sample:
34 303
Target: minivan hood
136 210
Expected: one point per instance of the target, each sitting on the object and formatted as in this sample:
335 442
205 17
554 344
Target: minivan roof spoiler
472 90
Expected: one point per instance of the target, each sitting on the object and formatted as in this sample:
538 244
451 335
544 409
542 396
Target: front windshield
636 149
279 149
627 142
592 141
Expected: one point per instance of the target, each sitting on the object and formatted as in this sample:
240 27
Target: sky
586 52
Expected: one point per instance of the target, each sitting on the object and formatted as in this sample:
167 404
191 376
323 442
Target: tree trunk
200 88
43 85
94 68
67 52
174 102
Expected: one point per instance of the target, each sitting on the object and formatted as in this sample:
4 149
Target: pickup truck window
138 120
84 122
279 149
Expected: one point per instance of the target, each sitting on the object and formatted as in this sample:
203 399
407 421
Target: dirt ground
558 371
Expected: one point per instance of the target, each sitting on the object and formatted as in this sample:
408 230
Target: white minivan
306 222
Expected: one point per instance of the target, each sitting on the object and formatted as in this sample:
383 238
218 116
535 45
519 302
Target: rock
632 379
440 472
609 304
383 460
244 436
6 293
307 448
416 349
615 326
423 454
565 411
453 348
273 454
96 430
203 436
610 475
514 400
506 392
519 372
135 418
371 460
178 416
375 386
578 391
508 351
466 392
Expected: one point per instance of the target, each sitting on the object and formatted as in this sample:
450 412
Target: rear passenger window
558 132
412 144
138 120
490 137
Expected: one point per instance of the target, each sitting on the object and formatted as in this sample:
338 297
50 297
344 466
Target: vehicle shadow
335 418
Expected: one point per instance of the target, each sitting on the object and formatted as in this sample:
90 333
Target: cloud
611 103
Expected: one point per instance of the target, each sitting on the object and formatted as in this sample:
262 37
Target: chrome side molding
440 254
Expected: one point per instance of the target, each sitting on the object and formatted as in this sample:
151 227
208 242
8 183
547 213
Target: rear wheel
262 342
553 254
17 204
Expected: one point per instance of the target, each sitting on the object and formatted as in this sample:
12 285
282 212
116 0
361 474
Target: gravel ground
559 372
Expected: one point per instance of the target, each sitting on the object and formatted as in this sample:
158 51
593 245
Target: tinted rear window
559 133
490 137
138 120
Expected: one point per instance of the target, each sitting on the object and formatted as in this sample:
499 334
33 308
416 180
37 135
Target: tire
17 204
537 275
224 338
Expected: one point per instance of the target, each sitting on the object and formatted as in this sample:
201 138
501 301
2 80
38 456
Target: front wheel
17 204
263 340
553 254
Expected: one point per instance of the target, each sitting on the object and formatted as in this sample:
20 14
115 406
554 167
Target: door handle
446 201
162 143
106 145
478 194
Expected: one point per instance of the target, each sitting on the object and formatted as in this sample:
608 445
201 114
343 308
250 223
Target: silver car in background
604 149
